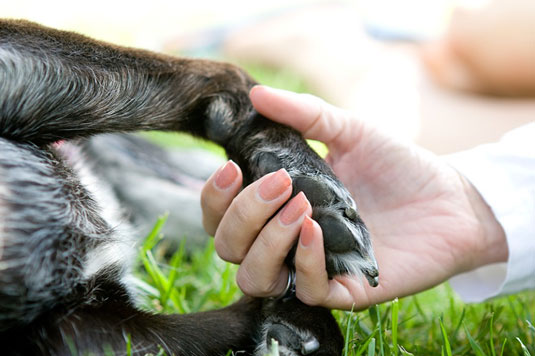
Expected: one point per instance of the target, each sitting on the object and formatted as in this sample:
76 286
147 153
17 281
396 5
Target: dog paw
347 243
262 146
290 340
348 248
298 330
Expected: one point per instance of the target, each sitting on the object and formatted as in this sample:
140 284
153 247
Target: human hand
427 222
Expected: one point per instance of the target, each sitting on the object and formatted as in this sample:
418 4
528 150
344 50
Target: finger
249 212
306 113
217 194
263 272
313 286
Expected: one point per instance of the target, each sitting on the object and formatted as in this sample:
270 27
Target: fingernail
227 175
257 88
294 209
307 233
274 185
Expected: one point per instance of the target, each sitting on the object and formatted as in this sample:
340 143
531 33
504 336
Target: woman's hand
427 222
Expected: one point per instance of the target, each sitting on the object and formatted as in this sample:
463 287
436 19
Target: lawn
435 322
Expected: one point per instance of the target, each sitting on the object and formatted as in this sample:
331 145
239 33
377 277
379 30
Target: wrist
491 243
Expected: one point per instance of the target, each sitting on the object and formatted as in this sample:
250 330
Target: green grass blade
503 347
380 327
151 266
405 352
372 312
161 352
445 339
524 348
491 335
530 326
371 347
395 314
128 345
460 322
154 236
274 348
475 347
72 347
349 318
364 346
174 265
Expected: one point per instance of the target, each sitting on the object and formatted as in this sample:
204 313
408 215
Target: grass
434 322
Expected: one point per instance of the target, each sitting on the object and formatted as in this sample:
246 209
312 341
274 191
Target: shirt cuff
504 175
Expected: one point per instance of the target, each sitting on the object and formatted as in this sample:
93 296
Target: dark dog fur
63 255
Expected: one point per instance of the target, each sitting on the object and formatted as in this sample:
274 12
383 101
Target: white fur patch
3 196
264 348
105 255
120 249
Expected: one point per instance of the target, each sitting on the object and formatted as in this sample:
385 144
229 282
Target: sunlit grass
435 322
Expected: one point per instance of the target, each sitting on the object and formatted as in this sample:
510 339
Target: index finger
306 113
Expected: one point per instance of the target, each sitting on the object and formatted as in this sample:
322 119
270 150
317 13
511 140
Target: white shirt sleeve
504 175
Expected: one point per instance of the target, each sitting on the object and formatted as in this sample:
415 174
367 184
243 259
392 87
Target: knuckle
226 252
253 285
305 265
245 283
239 212
269 244
308 298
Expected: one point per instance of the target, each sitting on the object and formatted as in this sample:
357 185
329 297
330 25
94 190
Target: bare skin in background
490 50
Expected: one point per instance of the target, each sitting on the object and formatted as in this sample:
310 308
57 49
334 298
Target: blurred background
447 74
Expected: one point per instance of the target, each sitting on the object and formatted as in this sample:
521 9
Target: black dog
63 256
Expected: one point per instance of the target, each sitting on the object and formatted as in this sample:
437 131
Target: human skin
490 50
427 222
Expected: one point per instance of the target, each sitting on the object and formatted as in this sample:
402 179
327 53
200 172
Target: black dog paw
269 147
299 330
290 340
347 241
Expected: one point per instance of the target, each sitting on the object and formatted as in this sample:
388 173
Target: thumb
306 113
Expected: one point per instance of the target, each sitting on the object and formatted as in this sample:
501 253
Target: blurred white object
405 20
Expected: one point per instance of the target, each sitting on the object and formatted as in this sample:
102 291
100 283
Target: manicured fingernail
273 186
294 209
307 232
227 175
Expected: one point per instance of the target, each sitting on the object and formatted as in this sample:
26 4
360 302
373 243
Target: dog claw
309 346
350 213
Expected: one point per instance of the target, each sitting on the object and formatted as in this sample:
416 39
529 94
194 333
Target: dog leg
59 85
63 269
